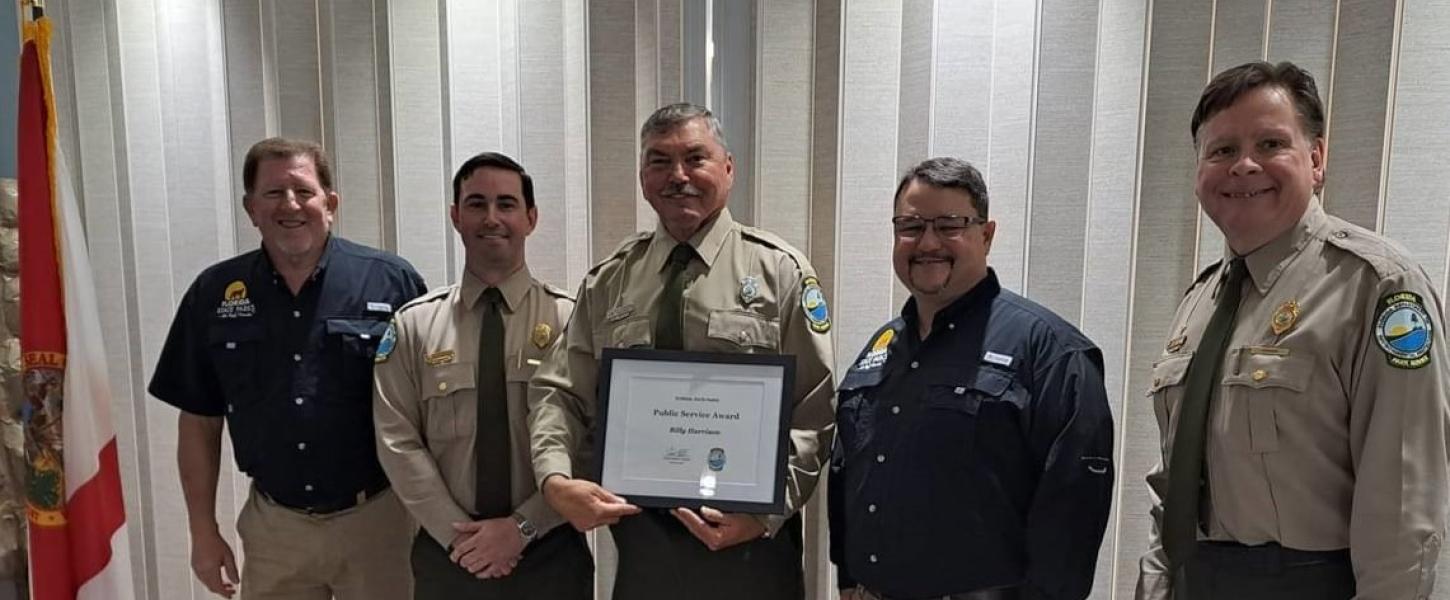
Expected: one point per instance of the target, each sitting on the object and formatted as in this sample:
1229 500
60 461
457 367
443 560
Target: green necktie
669 320
491 444
1185 467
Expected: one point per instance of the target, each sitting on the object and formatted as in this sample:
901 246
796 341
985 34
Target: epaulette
1383 255
772 240
1203 275
622 249
558 292
432 295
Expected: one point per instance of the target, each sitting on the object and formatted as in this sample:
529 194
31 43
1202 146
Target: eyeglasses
910 227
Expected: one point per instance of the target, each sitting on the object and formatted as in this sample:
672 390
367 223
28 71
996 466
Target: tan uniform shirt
743 295
425 399
1328 429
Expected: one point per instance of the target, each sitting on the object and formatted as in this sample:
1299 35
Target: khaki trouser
356 554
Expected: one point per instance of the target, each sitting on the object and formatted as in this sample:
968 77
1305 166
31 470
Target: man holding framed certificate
751 319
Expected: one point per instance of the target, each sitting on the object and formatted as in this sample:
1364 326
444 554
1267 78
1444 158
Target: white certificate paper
690 429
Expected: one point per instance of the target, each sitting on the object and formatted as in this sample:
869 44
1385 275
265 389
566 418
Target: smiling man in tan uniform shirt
426 406
1324 445
746 291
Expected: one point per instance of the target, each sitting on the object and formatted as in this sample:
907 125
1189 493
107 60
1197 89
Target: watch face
527 529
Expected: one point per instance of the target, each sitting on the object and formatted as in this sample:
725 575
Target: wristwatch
526 528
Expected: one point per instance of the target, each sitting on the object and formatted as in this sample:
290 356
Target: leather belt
327 508
1266 558
999 593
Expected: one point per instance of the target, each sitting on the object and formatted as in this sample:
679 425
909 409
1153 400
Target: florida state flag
77 519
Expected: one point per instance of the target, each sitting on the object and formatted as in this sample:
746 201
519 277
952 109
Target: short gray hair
667 118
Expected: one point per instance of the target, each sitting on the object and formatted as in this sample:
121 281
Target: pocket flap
520 370
1260 370
367 329
441 380
630 334
1168 372
744 328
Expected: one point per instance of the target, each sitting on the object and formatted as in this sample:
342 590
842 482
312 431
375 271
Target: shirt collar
985 291
265 268
514 287
707 241
1268 262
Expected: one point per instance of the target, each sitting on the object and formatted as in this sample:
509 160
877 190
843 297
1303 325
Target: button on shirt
1321 435
426 401
291 374
980 457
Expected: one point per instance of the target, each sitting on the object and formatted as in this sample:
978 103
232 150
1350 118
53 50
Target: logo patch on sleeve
813 302
1404 330
385 345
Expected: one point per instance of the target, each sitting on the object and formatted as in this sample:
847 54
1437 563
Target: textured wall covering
1075 111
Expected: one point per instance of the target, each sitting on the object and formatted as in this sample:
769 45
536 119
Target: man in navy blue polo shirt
279 342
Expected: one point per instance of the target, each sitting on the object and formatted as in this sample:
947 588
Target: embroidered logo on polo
879 349
386 345
235 304
1404 330
813 302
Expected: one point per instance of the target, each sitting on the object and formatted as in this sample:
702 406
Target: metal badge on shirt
813 302
1404 330
235 304
542 335
749 289
1284 317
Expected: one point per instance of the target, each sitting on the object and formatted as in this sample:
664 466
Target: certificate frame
627 444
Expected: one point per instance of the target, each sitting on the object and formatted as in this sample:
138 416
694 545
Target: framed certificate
693 429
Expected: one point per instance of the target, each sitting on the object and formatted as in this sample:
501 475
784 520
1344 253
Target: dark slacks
660 559
1228 571
557 566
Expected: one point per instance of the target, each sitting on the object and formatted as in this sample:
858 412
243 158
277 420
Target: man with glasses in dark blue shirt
279 342
974 439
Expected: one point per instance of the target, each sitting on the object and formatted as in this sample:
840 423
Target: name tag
998 359
382 307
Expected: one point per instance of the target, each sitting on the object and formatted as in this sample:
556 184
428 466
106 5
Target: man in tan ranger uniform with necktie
449 401
1302 388
699 282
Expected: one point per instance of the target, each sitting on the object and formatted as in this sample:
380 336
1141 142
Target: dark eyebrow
484 198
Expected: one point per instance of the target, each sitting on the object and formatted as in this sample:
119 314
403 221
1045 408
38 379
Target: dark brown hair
1227 87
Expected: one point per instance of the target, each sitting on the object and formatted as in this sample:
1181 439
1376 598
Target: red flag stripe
94 515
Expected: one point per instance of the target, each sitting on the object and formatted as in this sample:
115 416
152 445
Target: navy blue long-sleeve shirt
977 458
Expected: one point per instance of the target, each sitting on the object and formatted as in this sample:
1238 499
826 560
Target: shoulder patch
813 302
386 345
1204 275
876 353
622 249
1404 330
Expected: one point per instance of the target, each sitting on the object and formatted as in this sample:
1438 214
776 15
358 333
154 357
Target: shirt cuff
772 523
554 463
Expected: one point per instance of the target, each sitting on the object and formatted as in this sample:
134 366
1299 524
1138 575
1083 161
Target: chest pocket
855 418
353 342
1166 388
449 402
632 332
736 331
955 408
357 337
235 349
1261 386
